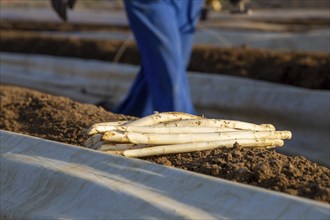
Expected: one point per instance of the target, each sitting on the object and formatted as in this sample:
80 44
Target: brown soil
6 25
302 69
61 119
308 23
283 24
287 24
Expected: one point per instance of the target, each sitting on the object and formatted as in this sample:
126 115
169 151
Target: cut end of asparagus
91 141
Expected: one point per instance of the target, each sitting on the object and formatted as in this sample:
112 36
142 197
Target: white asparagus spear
121 147
117 152
103 127
92 140
106 146
96 146
172 130
161 117
190 147
183 126
161 120
159 139
204 122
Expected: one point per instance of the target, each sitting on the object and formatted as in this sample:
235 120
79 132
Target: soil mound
61 119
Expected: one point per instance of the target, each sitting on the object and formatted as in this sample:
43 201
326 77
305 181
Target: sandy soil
61 119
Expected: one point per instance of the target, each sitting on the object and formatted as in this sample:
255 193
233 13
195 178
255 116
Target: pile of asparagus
177 132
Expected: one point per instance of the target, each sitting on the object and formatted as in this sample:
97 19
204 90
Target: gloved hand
177 132
214 5
60 7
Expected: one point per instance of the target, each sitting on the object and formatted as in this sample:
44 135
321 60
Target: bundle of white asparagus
177 132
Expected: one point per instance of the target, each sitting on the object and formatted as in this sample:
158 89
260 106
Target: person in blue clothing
163 30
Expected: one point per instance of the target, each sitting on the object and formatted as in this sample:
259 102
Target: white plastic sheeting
317 40
304 112
42 179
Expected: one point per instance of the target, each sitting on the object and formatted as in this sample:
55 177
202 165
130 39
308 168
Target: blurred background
227 41
298 25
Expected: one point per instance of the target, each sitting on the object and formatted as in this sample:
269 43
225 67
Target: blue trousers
163 30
